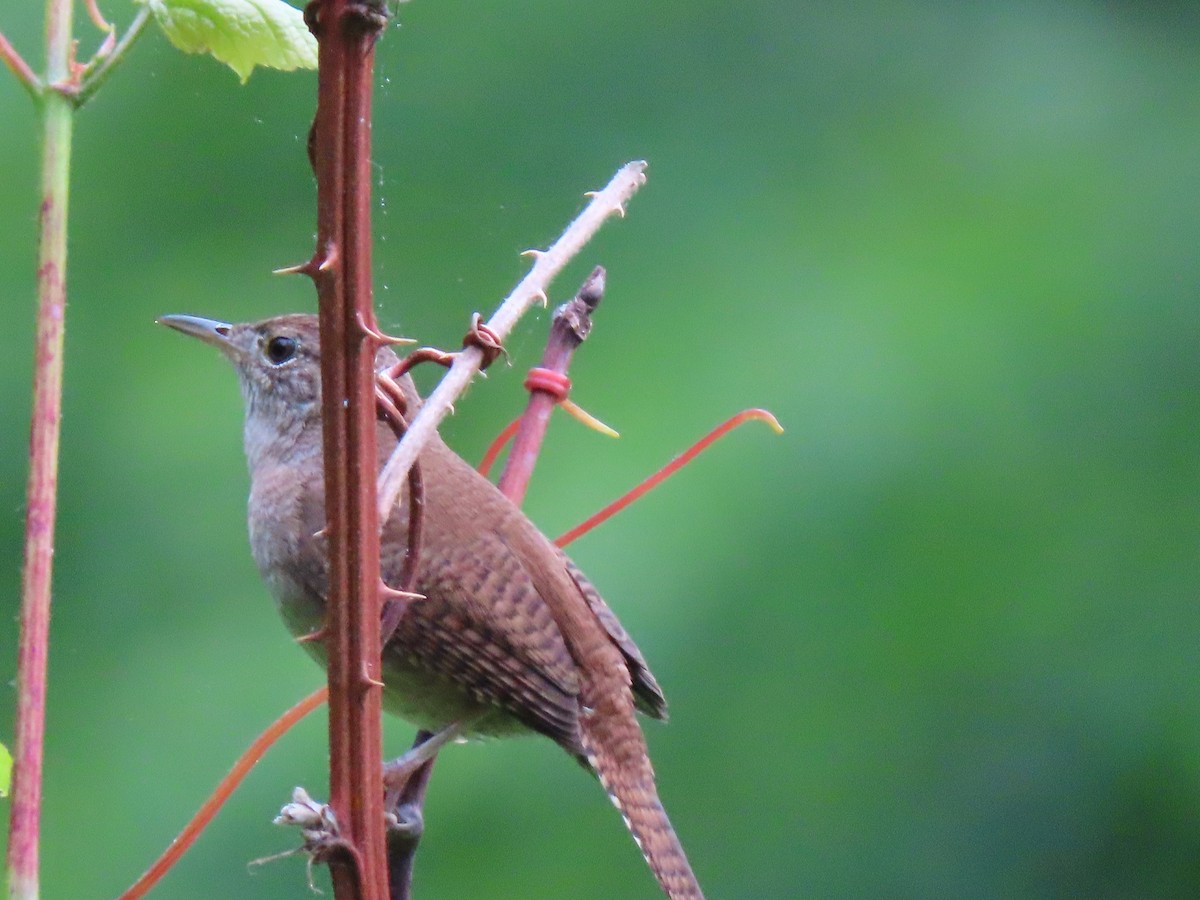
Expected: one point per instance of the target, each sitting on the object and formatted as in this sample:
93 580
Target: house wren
510 638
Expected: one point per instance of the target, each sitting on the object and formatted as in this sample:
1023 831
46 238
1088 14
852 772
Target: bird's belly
432 701
411 691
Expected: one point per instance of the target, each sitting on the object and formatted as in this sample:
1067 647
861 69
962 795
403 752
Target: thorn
330 260
378 336
304 268
367 679
387 592
588 419
619 209
317 635
322 533
591 194
540 293
533 254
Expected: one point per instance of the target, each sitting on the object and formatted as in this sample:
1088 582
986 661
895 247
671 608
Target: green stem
93 79
17 65
57 112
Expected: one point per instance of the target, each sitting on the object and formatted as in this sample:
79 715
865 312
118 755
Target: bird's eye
280 350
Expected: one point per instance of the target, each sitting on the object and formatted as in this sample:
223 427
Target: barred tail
616 750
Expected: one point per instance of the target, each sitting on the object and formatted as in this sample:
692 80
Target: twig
499 442
571 324
93 78
389 400
25 814
532 288
241 768
746 415
97 17
17 65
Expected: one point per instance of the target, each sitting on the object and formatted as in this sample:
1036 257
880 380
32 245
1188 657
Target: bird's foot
398 771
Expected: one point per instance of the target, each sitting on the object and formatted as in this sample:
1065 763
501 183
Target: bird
510 638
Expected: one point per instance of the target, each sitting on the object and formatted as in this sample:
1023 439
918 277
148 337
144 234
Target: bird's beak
207 330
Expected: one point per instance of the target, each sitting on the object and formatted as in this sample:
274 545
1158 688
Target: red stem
25 813
346 33
221 793
493 450
571 324
667 471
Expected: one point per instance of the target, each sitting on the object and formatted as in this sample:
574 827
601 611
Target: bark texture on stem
25 812
341 267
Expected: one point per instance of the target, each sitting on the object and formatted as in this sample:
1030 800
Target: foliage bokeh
940 639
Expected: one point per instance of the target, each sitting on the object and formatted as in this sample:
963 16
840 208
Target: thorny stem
25 814
532 288
340 148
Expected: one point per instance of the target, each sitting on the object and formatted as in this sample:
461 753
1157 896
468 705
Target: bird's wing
646 692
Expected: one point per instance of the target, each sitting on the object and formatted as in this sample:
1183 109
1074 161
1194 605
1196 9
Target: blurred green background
939 640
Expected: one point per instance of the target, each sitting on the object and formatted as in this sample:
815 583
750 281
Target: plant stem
241 768
547 264
17 65
569 328
25 815
93 79
340 147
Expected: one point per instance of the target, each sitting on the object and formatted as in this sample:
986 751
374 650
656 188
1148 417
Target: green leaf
240 33
5 770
